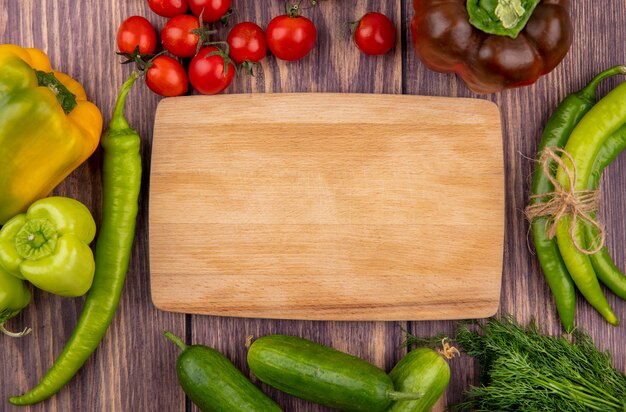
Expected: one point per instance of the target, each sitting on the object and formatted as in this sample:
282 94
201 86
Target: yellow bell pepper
47 128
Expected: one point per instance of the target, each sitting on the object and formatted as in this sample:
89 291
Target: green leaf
501 17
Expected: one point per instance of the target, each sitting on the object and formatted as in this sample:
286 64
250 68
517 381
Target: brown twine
566 200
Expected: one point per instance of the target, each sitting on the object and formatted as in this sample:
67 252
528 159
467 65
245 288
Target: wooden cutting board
327 206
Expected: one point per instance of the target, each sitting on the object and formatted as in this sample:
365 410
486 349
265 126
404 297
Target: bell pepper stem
118 121
500 17
66 99
509 12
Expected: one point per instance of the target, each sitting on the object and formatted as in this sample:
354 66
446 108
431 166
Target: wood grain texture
133 368
334 66
598 31
79 39
356 213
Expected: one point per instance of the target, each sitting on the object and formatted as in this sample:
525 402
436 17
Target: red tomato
212 10
177 36
136 31
375 34
290 38
168 8
206 73
167 77
247 42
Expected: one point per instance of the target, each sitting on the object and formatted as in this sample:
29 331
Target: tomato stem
248 66
223 53
142 61
351 26
293 10
203 32
226 17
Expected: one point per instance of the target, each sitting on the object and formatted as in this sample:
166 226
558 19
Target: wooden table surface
133 369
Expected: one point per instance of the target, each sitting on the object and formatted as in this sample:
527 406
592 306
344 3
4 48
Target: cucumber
322 375
213 383
422 370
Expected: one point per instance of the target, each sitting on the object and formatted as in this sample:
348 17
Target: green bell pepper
14 296
49 246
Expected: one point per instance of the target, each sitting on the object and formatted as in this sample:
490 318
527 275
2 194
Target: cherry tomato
206 73
247 43
375 34
167 77
177 36
168 8
212 10
136 31
290 38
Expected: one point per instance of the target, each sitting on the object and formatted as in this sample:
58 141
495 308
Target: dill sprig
411 341
522 369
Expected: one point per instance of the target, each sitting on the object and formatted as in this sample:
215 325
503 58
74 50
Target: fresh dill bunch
522 369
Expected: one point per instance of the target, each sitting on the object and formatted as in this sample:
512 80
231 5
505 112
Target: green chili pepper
14 296
584 144
49 246
121 179
608 273
556 132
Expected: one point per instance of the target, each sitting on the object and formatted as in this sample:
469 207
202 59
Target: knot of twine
566 200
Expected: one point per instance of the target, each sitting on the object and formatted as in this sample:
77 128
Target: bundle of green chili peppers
590 135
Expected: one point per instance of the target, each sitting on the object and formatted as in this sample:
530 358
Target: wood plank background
133 369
